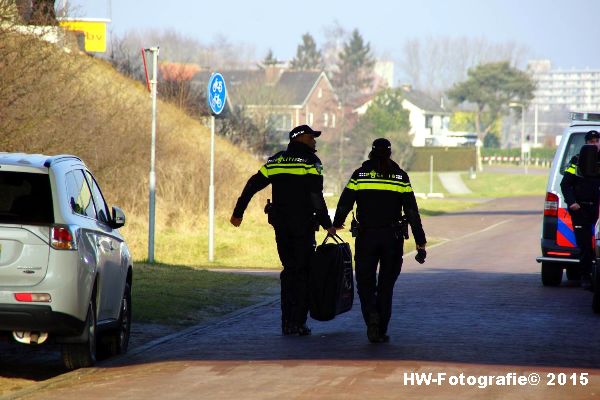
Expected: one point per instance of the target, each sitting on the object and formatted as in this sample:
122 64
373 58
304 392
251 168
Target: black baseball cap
303 130
591 135
382 143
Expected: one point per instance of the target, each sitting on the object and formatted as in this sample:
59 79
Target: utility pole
535 126
152 177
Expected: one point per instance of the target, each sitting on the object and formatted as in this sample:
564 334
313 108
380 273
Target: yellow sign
94 31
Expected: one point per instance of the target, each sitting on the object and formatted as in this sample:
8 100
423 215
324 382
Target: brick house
282 98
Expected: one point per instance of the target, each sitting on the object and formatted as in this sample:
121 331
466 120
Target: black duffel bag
331 281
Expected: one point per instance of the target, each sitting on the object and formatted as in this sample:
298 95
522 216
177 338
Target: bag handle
336 238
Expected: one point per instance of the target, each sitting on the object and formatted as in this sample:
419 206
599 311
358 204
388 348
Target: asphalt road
476 308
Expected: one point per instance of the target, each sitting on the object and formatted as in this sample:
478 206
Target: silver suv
65 270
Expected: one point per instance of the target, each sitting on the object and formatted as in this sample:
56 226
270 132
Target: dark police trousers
381 246
584 221
295 245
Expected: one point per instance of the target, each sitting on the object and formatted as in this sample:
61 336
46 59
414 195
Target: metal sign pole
430 174
217 97
211 193
152 179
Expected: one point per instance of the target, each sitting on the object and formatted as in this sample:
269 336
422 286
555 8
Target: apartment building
572 90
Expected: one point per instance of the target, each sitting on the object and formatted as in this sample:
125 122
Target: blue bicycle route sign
217 93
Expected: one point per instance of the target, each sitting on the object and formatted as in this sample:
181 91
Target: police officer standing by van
581 195
298 206
382 191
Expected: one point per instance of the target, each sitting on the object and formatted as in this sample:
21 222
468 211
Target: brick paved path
477 306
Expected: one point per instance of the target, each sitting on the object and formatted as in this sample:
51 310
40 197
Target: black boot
287 328
373 329
304 330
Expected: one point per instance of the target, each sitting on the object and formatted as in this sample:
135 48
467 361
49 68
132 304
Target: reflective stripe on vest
292 169
379 184
572 169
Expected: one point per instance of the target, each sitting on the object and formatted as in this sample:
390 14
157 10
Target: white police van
559 248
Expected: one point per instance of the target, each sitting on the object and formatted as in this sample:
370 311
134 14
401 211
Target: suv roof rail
57 158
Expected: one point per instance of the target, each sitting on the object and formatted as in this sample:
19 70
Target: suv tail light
551 205
62 238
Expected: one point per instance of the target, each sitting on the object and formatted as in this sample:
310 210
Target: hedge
444 158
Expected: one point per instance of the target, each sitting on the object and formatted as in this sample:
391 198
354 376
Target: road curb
77 374
192 330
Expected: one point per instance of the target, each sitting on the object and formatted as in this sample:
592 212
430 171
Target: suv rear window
25 198
576 140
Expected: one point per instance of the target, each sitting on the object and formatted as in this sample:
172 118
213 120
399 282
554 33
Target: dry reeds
54 102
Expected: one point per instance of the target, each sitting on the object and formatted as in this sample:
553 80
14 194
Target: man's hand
574 207
235 221
331 230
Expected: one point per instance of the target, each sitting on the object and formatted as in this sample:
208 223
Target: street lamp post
515 104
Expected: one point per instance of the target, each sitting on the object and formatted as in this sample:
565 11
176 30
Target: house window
428 121
280 122
320 93
326 120
333 120
311 118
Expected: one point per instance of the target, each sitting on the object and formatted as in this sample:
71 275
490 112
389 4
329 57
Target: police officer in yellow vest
382 191
298 206
581 195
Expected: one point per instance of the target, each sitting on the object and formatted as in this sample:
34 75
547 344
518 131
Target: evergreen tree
355 67
269 59
307 55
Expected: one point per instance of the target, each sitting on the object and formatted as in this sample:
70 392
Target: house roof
423 101
299 84
291 88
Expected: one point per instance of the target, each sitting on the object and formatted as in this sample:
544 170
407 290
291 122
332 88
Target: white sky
566 32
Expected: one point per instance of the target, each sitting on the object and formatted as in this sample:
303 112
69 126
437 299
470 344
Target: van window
25 198
576 140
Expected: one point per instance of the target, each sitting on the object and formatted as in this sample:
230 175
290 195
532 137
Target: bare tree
335 36
178 48
434 64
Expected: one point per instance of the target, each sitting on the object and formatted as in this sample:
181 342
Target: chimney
272 74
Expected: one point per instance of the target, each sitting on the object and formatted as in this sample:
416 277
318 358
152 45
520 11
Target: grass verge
486 184
182 296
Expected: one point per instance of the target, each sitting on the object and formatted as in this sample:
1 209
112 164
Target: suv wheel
116 341
551 274
82 355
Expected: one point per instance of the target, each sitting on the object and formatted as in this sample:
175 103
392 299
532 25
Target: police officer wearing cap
581 195
382 191
298 205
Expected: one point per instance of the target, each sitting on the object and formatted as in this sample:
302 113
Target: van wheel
596 278
573 273
116 341
596 287
82 355
551 274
